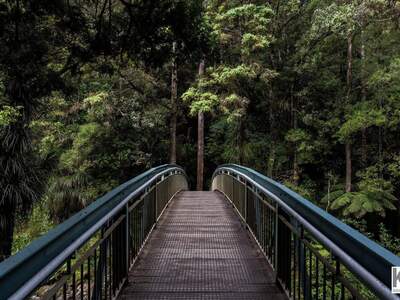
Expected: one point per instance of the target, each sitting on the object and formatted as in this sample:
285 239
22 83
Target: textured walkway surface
200 251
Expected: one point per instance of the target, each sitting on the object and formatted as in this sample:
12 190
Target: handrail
371 262
23 272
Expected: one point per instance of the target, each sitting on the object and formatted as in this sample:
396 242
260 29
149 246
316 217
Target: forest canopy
93 93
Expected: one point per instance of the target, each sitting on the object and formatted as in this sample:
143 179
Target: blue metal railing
304 223
142 197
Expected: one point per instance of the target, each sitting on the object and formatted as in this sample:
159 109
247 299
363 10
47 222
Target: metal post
127 238
245 201
98 285
155 205
156 200
68 266
336 275
302 265
232 189
276 238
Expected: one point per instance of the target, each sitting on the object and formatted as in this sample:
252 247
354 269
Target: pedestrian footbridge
249 237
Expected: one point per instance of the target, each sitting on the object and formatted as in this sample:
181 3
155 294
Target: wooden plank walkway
200 250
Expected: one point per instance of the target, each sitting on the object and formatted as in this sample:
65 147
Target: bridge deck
200 251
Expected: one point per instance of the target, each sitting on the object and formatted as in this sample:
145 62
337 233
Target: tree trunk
241 137
200 140
328 204
174 105
363 99
271 158
348 166
364 147
349 78
296 175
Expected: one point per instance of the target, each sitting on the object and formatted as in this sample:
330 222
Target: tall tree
349 79
200 139
174 104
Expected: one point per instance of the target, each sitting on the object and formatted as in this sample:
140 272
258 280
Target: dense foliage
306 92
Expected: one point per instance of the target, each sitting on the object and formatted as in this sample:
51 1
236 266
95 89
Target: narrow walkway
200 251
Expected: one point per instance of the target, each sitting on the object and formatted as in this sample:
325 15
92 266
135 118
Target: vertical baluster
137 229
82 278
333 284
155 202
232 191
265 228
336 273
298 267
261 234
298 264
245 202
271 239
89 274
317 277
121 247
108 239
294 267
133 234
113 248
288 267
64 291
111 266
304 265
129 241
134 230
269 233
341 291
95 287
276 237
120 271
310 275
142 224
73 285
324 283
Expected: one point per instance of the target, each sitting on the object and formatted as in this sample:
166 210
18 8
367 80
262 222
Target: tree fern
67 195
360 203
